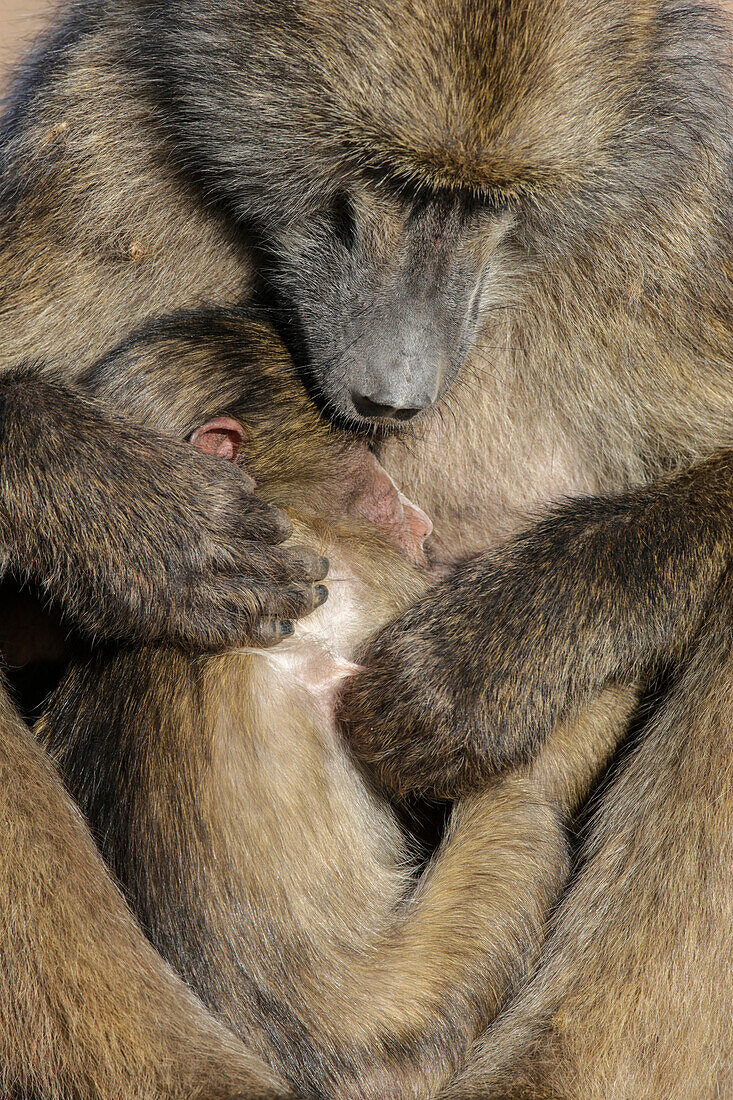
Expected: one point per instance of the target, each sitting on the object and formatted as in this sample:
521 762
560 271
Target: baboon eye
343 219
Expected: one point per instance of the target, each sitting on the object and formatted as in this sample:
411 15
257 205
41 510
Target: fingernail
324 564
321 594
286 628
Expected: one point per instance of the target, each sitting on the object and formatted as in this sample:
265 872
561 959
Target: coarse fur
630 998
532 204
254 850
64 925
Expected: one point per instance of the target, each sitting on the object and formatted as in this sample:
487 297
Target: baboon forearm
63 476
631 998
473 678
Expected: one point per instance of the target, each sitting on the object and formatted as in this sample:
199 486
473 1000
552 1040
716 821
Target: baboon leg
88 1011
477 921
633 998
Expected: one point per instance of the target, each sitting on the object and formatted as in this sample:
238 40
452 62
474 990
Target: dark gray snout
386 309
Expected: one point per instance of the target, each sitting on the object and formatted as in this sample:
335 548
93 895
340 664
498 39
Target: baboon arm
475 675
133 535
388 1015
632 997
88 1011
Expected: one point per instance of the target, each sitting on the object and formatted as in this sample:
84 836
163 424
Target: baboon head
408 166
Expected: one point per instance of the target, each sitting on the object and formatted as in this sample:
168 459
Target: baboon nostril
405 414
365 406
375 410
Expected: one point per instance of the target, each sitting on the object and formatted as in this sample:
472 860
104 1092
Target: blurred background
20 21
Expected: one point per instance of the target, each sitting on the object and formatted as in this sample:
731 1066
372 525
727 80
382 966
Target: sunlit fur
256 852
159 156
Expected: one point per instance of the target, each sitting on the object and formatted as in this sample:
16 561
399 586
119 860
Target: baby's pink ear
222 438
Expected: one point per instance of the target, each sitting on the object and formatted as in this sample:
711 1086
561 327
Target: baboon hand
466 683
136 536
415 713
205 566
224 576
474 676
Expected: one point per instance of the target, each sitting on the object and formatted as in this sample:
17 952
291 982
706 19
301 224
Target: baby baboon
533 201
255 852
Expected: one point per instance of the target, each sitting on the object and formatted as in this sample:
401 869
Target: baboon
87 1007
517 213
255 852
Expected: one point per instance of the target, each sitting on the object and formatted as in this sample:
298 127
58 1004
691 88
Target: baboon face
387 284
408 165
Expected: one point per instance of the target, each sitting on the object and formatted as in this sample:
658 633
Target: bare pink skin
372 495
221 438
378 500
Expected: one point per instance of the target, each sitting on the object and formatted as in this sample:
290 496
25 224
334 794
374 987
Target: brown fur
631 997
160 155
64 1032
263 864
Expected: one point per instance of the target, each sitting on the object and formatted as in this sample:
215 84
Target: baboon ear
222 438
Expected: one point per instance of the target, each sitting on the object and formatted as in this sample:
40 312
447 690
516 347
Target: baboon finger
271 632
280 565
307 565
225 612
295 601
252 518
248 483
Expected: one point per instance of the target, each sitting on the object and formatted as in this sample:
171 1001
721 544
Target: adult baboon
531 201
